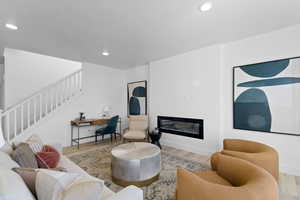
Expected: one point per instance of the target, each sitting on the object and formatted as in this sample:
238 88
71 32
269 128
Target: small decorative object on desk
81 116
155 136
106 111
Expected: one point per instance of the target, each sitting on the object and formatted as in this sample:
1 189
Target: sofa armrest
129 193
58 147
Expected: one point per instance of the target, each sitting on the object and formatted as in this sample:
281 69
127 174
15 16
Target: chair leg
95 138
103 137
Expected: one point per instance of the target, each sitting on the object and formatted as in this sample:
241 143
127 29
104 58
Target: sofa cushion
72 167
135 134
12 186
212 177
67 186
6 162
35 143
48 158
24 156
29 176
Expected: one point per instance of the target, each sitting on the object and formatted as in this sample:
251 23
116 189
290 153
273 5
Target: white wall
1 82
27 73
199 84
273 46
139 73
188 85
101 86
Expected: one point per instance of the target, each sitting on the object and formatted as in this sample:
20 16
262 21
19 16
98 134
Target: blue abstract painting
137 98
267 97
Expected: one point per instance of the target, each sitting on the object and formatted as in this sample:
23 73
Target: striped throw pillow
35 143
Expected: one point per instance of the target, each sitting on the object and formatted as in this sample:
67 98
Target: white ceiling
135 31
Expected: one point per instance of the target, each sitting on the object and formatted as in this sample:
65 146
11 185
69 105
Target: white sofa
128 193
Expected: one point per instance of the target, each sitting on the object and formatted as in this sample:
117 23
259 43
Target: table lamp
106 111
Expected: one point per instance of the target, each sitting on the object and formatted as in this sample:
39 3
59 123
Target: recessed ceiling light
11 26
206 7
105 53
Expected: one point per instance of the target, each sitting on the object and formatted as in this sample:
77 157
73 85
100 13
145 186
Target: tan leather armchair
254 152
234 179
138 128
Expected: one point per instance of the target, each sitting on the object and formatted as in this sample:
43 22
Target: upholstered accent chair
138 128
254 152
110 129
234 179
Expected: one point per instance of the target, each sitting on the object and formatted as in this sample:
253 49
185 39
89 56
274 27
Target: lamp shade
106 109
2 140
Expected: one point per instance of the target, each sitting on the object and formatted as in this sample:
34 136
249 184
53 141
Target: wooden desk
85 123
89 122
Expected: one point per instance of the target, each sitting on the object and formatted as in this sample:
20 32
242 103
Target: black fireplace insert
188 127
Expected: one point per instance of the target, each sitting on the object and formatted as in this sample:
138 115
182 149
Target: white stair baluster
63 91
41 106
15 122
46 101
80 80
8 127
34 109
56 95
22 118
28 114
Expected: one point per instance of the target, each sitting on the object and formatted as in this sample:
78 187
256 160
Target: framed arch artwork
137 98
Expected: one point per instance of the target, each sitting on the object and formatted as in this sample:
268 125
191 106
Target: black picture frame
233 97
146 95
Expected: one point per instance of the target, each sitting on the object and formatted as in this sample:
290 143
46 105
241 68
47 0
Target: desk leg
78 138
71 135
120 129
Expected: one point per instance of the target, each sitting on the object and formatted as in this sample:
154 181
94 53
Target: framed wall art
266 97
137 98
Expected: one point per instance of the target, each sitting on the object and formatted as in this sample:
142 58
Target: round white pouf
136 163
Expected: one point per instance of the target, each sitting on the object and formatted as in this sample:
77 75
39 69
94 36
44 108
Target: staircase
31 111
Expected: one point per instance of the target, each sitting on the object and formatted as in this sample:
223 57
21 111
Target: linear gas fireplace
181 126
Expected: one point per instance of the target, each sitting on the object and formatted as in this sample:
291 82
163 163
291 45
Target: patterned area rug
97 162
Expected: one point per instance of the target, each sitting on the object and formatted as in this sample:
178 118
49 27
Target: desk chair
109 129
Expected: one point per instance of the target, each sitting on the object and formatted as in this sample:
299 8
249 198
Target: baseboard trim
202 151
290 170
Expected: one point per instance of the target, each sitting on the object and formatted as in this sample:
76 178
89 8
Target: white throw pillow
6 162
12 186
54 185
35 142
7 148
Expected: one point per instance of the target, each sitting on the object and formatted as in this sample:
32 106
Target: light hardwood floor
289 186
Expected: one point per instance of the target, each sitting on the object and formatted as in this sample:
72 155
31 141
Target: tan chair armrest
244 146
192 187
